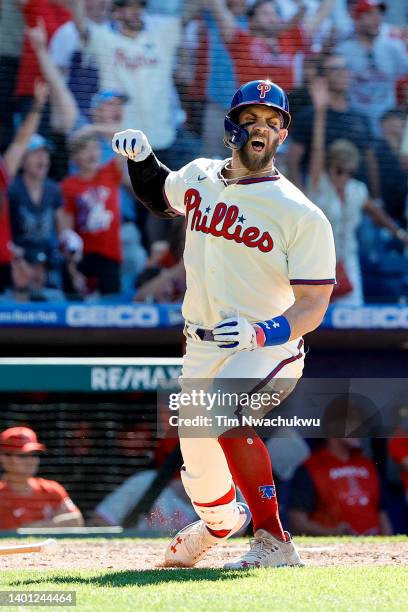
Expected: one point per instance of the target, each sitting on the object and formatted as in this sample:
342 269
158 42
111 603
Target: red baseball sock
225 499
250 465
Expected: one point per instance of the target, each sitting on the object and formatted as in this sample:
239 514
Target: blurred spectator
35 204
221 81
27 501
167 286
63 108
137 59
9 166
106 113
105 118
5 230
91 207
334 22
52 13
393 174
341 122
300 98
31 272
81 440
136 440
191 72
270 46
79 69
165 7
65 113
402 95
375 62
342 198
164 277
337 491
404 147
398 449
11 40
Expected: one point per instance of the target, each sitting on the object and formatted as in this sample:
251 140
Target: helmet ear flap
235 136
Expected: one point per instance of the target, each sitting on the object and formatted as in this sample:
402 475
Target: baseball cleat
193 542
267 551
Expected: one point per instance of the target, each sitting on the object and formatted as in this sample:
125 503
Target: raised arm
16 150
191 10
64 107
312 24
320 98
79 18
224 17
147 174
298 19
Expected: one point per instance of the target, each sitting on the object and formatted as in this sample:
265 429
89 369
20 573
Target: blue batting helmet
254 92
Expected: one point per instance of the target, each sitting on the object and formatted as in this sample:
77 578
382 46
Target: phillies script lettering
222 222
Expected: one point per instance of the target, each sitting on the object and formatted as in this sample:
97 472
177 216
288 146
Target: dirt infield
139 555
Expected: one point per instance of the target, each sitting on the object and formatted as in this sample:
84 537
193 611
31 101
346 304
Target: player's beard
255 162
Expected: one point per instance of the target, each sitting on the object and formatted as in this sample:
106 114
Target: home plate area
128 554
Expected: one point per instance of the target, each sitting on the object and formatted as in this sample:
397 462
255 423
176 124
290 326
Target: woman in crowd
342 198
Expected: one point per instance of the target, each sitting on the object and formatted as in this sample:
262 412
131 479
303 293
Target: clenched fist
132 144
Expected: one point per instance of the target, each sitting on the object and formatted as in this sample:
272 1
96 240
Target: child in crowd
91 207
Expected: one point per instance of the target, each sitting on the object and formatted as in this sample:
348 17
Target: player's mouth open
257 145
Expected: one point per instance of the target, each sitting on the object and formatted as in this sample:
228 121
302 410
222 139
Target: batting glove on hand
132 144
235 333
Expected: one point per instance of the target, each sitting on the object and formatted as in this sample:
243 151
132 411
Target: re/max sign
142 378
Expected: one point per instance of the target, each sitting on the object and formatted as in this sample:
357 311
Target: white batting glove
235 333
132 144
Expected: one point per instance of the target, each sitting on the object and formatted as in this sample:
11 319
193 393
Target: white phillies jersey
142 68
247 243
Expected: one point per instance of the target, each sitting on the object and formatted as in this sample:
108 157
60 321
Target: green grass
215 590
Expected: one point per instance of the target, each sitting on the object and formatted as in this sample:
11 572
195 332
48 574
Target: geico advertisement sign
369 317
113 316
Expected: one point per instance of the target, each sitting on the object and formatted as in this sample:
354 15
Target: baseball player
260 266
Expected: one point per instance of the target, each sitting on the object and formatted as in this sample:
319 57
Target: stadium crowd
73 73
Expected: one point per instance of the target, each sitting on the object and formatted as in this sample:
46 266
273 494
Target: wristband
275 331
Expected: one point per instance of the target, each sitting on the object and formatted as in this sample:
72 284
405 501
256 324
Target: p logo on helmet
264 88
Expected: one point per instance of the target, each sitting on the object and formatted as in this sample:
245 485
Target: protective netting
94 443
